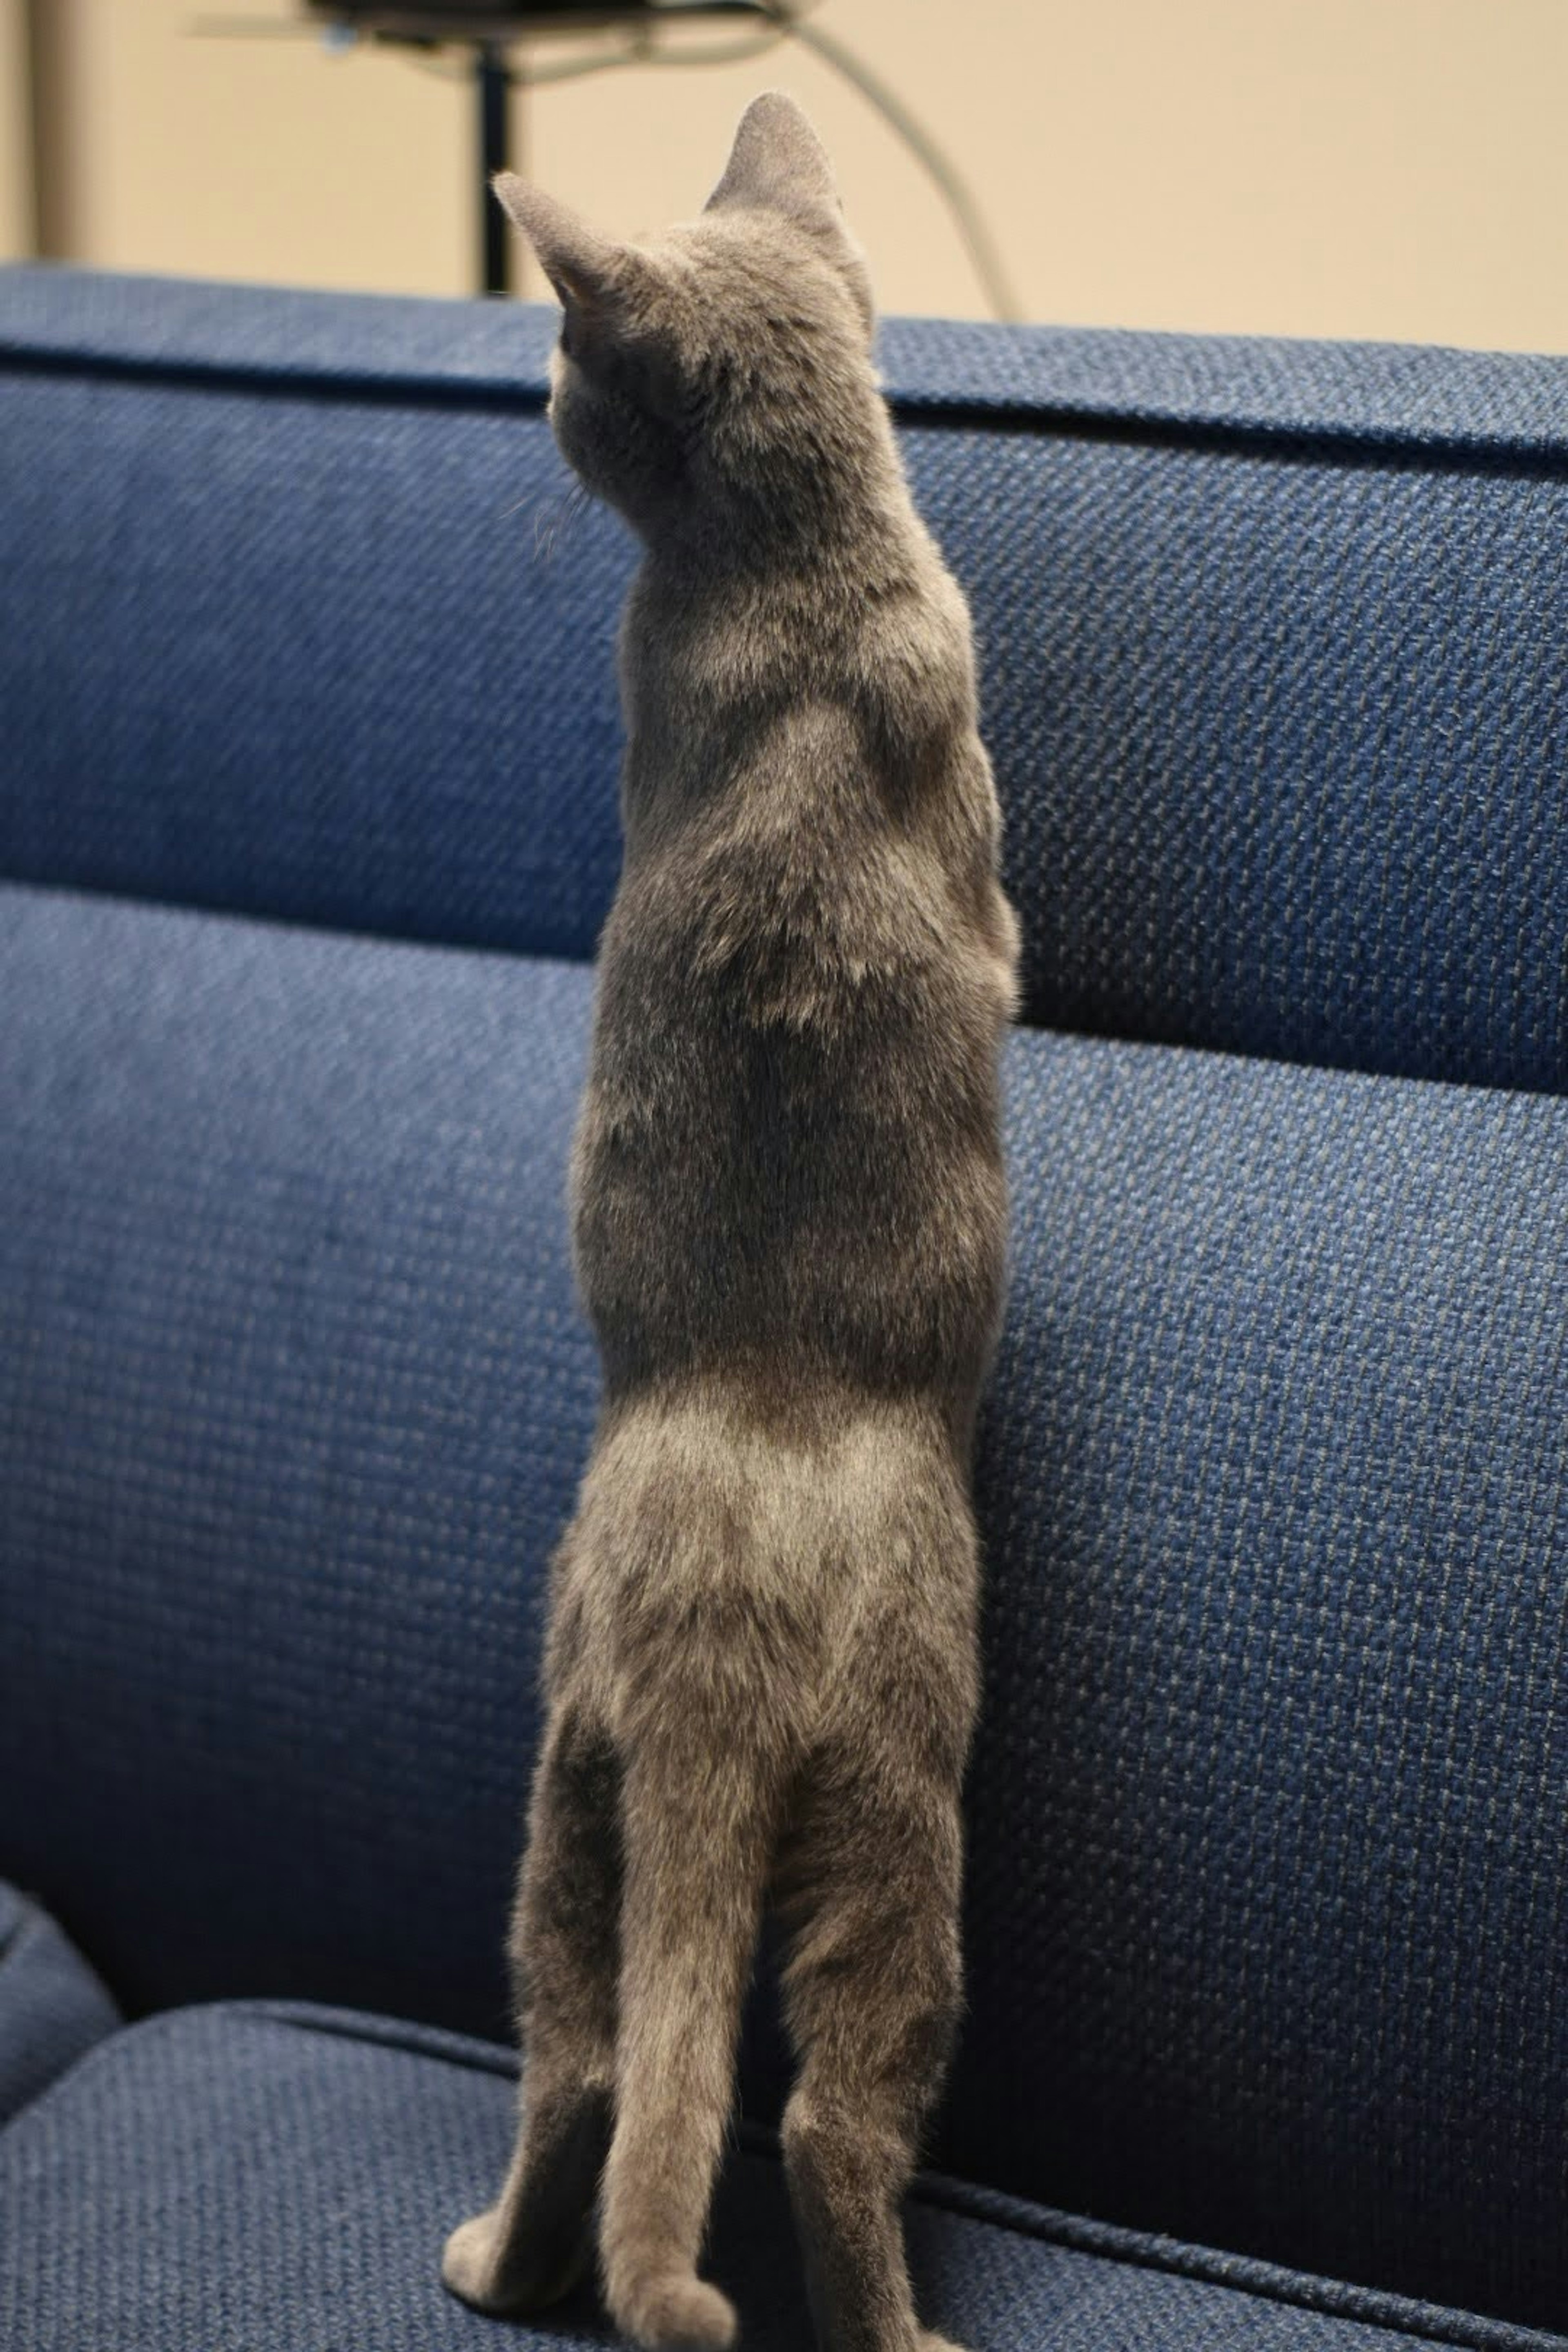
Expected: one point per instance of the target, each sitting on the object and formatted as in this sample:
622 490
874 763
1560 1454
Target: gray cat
789 1217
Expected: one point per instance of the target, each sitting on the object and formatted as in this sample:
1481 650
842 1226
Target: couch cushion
52 2006
257 2176
1271 642
295 1419
1268 1909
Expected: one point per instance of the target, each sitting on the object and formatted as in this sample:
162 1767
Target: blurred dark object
493 31
461 20
489 30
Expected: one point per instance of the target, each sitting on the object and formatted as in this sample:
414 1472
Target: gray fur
789 1219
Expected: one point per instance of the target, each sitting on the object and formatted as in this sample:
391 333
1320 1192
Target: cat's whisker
549 516
549 525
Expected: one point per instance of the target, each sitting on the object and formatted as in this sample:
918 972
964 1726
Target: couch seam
1299 440
307 927
103 2047
1502 2335
14 1935
1296 2291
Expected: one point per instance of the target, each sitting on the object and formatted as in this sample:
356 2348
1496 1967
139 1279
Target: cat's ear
589 272
777 163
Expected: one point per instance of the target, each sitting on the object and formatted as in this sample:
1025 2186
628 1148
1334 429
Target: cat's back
788 1146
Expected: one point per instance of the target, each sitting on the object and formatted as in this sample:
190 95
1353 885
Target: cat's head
717 379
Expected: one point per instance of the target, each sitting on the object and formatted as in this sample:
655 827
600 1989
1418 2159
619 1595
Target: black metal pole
495 247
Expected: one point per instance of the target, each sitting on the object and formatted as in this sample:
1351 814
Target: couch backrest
1267 1905
1273 640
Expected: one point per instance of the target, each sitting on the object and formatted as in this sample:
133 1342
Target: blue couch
307 749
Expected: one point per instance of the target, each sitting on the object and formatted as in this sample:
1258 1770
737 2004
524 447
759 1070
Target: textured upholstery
1392 394
1268 1908
296 1416
52 2006
1272 642
1267 1893
254 2178
1267 1900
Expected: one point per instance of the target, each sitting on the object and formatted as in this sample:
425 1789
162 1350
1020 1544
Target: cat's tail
698 1825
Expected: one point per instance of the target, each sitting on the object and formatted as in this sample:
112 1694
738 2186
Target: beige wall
15 204
1336 167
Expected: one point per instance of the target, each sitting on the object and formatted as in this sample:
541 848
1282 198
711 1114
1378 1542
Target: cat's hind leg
532 2245
871 1988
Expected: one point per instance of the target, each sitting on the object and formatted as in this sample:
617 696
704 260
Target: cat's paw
928 2342
677 2313
472 2265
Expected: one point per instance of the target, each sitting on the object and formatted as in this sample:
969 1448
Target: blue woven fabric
252 2178
52 2006
1271 636
1389 393
292 1412
1266 1913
